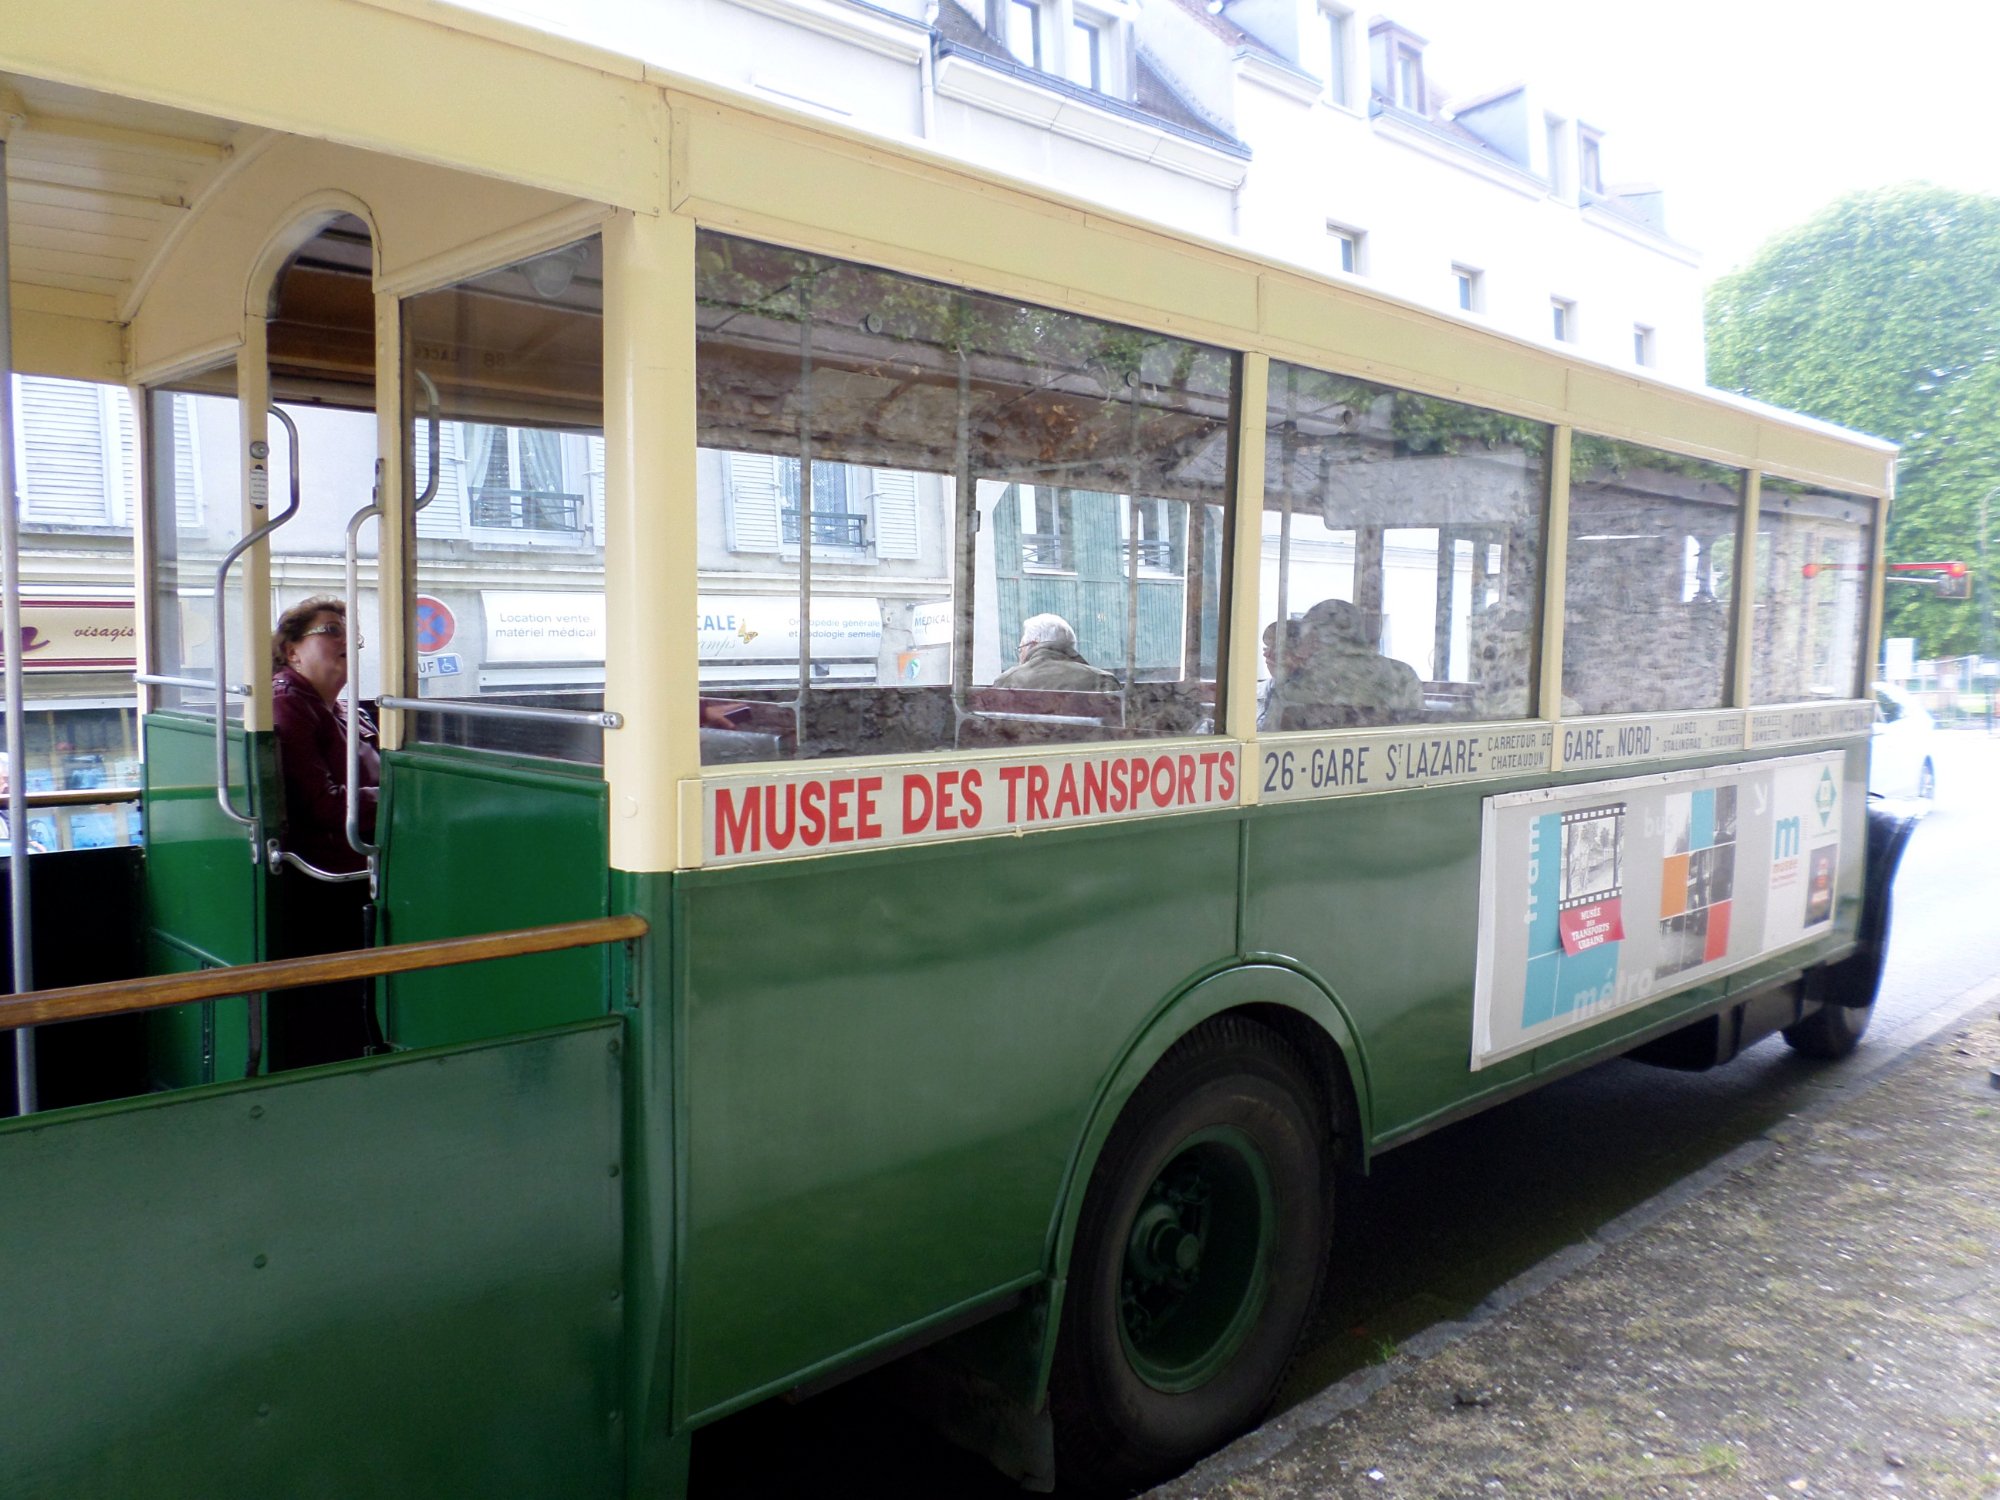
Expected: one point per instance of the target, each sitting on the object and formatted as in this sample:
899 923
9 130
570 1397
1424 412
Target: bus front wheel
1197 1259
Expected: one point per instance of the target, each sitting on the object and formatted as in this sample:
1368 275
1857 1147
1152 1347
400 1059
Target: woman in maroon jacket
322 1023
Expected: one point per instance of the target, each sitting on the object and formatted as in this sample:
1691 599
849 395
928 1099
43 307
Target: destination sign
1633 737
1803 723
1345 764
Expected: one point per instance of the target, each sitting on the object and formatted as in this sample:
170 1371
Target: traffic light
1955 582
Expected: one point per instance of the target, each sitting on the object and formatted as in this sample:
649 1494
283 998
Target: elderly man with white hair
1050 662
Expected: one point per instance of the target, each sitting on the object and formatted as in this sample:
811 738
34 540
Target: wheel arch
1279 998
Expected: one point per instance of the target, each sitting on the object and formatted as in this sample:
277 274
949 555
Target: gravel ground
1819 1315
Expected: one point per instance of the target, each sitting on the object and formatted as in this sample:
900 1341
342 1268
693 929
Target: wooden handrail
85 798
123 996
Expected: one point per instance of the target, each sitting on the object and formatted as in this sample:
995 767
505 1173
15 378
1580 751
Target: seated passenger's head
1340 621
1290 644
311 639
1046 630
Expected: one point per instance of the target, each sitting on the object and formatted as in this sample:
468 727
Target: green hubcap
1197 1261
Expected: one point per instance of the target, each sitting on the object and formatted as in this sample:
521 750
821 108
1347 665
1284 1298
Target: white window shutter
62 453
187 465
895 513
753 503
445 515
122 443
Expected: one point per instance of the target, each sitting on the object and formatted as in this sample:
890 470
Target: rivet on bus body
264 1411
614 1169
261 1261
256 1111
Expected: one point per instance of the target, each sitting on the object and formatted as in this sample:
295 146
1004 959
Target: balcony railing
1152 554
528 510
830 528
1043 549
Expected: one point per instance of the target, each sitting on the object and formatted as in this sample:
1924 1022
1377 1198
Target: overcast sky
1751 114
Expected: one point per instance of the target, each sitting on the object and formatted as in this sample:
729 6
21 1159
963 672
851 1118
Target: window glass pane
1001 523
1651 573
1811 609
1402 544
72 746
1336 85
196 517
509 576
1023 20
1083 54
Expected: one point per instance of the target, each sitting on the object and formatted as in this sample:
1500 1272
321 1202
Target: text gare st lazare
1380 762
808 814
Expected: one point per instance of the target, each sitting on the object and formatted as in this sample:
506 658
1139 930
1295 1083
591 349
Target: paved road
1446 1220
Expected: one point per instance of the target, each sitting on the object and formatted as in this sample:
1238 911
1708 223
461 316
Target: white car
1901 762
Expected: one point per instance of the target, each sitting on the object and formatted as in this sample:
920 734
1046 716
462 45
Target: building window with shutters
75 454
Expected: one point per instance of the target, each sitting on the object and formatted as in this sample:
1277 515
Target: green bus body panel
888 1062
395 1277
1378 899
204 894
478 843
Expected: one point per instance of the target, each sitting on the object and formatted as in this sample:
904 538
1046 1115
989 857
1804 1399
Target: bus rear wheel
1831 1032
1197 1259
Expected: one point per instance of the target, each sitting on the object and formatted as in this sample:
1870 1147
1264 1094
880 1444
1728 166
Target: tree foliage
1883 314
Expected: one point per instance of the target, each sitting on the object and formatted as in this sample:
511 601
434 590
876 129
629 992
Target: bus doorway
257 469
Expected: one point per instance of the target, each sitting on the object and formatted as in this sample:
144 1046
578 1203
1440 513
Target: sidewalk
1818 1315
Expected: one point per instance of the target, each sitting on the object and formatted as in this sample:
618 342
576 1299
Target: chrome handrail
222 794
206 685
472 709
275 859
430 485
352 695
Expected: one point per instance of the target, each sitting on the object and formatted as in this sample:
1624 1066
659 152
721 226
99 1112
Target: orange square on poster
1673 886
1718 933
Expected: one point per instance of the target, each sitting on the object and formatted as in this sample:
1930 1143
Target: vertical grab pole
20 912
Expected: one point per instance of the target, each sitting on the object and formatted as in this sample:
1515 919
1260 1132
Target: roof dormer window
1021 30
1410 79
1396 67
1589 161
1084 63
1079 46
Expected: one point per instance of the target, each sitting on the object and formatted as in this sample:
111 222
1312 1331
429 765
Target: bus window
510 549
1401 551
1810 611
196 517
918 479
1651 576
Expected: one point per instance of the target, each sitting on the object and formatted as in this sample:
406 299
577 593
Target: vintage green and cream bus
951 763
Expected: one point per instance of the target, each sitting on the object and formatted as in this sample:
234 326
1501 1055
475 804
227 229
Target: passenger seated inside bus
331 1022
1335 676
1049 661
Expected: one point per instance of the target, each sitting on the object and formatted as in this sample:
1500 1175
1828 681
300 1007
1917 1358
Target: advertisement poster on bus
1597 899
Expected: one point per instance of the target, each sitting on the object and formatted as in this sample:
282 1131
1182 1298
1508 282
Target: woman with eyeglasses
323 1023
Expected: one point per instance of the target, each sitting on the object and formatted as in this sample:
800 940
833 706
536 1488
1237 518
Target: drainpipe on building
926 74
19 910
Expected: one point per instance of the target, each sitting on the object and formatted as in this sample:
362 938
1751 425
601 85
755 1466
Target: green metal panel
656 1456
1378 897
397 1277
476 842
888 1061
205 902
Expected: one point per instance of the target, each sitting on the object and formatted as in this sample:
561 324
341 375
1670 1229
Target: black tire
1831 1032
1197 1260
